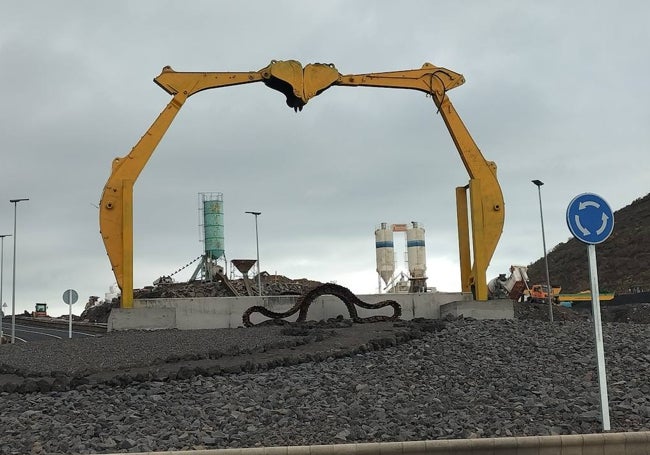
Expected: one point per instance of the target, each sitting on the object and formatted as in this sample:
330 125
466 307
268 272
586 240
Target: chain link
185 266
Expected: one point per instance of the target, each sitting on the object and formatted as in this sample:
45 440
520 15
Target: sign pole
70 296
70 322
598 335
2 317
591 220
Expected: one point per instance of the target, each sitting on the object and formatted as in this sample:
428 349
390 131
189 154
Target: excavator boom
299 85
116 205
486 204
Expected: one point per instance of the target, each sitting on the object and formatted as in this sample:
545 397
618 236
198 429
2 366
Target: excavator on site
538 293
40 310
299 84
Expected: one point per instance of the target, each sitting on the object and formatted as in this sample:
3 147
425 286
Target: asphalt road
26 333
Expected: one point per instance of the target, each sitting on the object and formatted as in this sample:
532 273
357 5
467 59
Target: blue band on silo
412 243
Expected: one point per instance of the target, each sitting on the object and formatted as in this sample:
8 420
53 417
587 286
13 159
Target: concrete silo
385 252
212 236
417 258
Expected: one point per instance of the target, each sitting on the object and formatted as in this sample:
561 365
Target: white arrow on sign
604 218
583 229
602 227
585 204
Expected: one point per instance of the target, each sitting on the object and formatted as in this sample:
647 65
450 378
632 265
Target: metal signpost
549 293
70 297
591 220
2 316
257 243
4 305
13 284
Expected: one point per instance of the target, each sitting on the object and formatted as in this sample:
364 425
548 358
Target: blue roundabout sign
590 219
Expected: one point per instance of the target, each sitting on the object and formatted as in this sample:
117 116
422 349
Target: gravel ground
120 350
398 381
121 358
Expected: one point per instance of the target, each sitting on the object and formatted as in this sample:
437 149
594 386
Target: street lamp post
2 257
549 291
13 284
257 243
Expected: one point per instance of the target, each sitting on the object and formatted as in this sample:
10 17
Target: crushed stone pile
337 383
271 285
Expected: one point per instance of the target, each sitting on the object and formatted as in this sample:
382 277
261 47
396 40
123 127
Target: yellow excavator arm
485 197
299 85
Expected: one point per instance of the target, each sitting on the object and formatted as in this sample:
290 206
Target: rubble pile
271 285
97 311
539 312
281 285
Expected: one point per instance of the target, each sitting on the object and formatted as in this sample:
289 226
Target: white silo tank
416 251
385 252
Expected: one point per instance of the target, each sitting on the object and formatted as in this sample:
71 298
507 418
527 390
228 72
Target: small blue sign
590 219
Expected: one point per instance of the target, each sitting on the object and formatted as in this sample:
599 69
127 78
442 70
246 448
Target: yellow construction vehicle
40 310
299 84
538 293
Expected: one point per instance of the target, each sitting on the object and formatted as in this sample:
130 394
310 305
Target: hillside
623 259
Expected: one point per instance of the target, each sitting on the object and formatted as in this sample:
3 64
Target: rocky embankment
96 311
325 384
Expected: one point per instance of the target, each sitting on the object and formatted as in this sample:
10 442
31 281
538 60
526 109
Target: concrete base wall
141 319
226 312
492 309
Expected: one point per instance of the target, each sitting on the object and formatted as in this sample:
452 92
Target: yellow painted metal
486 199
127 242
116 205
318 78
429 79
584 297
299 85
189 83
481 259
464 251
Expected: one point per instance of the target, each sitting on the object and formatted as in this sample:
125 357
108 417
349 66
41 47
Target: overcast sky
555 90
